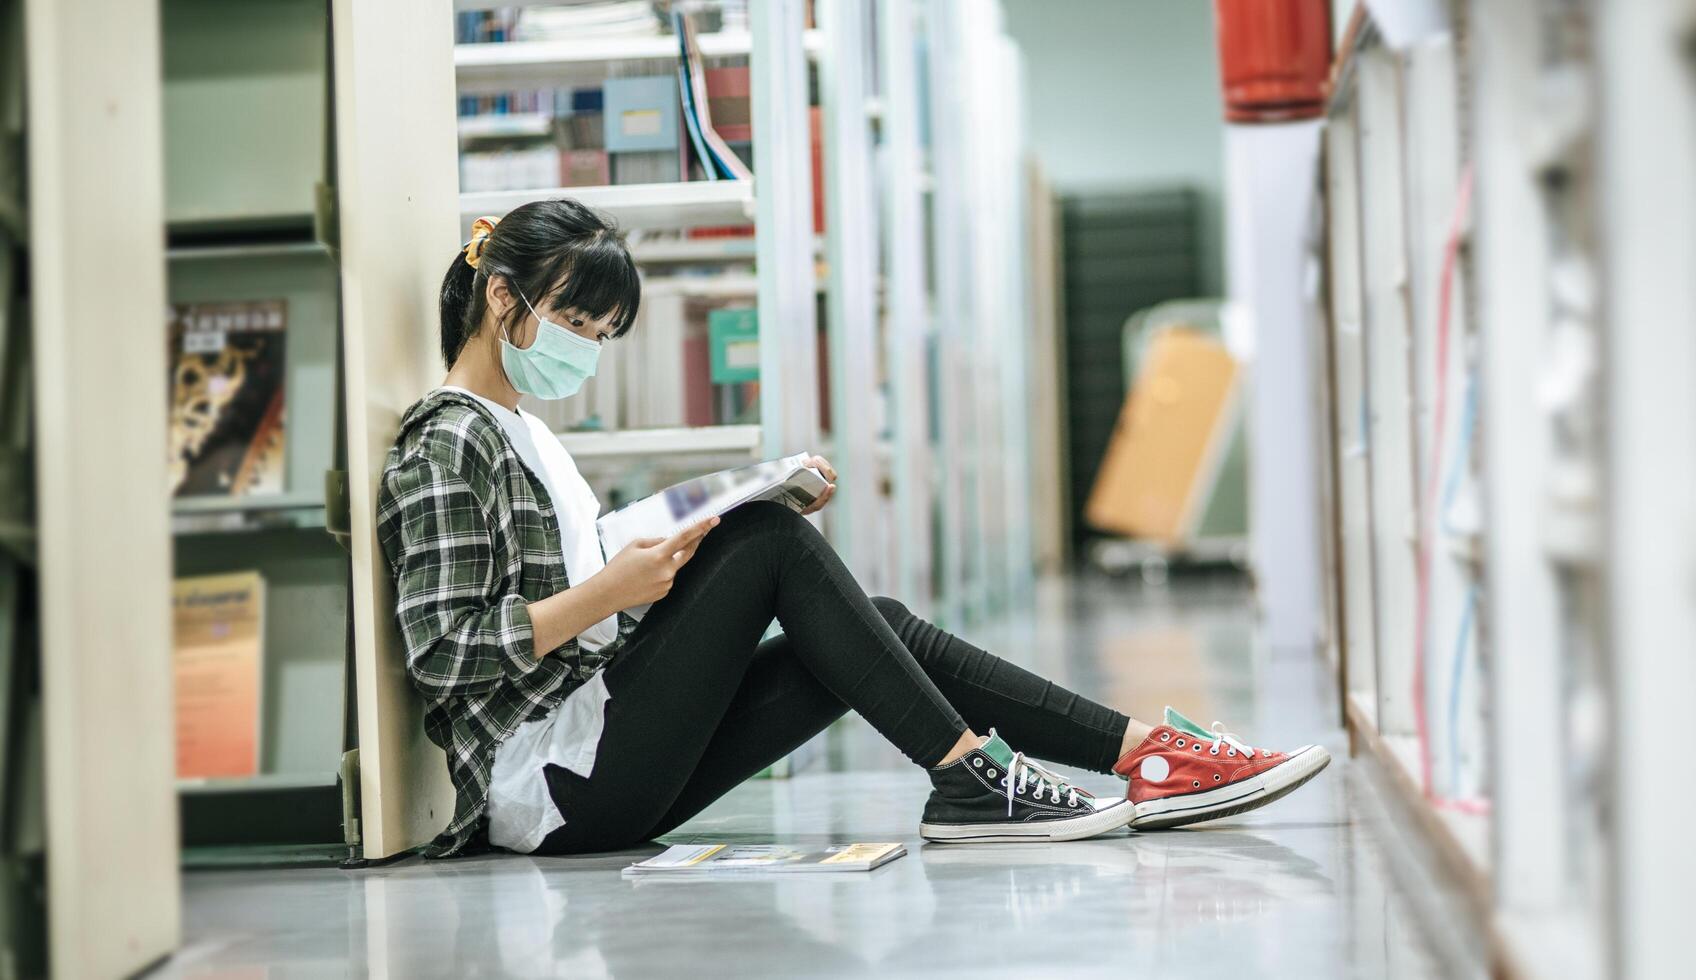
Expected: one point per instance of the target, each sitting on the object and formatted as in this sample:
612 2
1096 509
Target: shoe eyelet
1232 753
978 763
990 774
1165 736
1216 777
1180 743
1196 747
1212 751
1197 783
1003 780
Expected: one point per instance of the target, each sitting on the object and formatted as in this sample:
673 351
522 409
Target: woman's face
502 299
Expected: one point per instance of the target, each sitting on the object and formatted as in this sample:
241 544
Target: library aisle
1299 889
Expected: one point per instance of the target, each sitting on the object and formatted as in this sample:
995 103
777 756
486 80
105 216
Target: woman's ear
498 294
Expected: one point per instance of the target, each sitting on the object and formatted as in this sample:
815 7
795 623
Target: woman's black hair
534 247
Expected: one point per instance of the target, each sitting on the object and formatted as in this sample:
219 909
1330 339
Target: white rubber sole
1239 797
1108 818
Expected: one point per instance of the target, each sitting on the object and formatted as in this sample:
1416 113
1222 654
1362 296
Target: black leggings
699 704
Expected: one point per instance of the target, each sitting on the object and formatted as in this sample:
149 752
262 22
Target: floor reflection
1298 889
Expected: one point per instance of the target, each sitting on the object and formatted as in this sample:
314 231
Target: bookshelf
778 51
700 440
247 139
908 334
504 64
686 204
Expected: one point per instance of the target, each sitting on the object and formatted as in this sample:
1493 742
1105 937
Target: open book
695 859
789 481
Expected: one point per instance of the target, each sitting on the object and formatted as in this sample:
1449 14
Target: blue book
640 114
695 140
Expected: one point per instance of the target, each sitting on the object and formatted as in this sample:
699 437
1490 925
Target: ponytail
456 307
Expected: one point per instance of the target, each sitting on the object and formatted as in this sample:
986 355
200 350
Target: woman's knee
765 518
894 611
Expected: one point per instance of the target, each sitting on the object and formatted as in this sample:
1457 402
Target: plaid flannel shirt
471 539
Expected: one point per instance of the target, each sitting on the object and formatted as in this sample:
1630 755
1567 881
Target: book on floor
788 481
705 859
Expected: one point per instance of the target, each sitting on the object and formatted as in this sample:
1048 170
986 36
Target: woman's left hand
829 473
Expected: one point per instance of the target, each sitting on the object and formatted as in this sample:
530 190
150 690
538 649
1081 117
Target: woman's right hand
643 571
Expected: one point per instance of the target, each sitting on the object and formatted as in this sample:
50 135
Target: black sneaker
995 794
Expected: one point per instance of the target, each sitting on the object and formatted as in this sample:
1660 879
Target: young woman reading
576 717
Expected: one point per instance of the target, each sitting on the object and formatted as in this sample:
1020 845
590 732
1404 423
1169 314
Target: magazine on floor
704 859
789 481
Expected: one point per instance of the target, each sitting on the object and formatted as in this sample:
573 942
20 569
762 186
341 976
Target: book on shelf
641 129
226 435
734 335
583 168
694 95
697 376
691 860
729 100
585 120
655 385
219 627
691 120
510 168
788 481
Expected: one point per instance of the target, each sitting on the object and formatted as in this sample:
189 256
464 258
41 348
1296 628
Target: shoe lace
1222 737
1027 771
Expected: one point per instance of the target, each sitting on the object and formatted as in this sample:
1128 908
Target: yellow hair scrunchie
481 229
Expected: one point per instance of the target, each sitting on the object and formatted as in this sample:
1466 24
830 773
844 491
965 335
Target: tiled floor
1296 890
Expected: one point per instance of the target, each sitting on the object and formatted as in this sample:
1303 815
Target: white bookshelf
507 64
635 206
244 250
261 781
691 251
694 440
726 286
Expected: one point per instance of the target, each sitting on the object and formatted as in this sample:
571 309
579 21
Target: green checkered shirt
472 539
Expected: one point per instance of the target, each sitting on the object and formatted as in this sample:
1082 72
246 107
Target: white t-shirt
521 809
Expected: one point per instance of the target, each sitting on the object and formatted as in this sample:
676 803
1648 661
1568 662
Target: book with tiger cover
228 406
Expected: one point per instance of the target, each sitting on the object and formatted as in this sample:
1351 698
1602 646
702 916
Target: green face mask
556 363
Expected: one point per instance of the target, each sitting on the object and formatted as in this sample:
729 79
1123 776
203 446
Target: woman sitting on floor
588 702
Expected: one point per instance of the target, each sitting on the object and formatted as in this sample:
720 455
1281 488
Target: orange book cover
1165 452
219 626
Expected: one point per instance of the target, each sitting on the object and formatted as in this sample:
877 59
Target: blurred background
1327 362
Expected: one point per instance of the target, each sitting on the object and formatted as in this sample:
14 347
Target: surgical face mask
555 364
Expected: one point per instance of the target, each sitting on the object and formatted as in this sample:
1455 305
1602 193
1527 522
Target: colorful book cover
219 625
728 100
699 859
226 433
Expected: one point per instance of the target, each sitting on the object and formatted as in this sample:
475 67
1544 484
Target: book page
687 503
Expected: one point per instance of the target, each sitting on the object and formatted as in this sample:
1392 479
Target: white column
909 326
1270 174
783 198
1522 613
1647 143
97 284
851 247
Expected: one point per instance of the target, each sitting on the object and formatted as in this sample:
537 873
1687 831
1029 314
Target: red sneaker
1183 774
